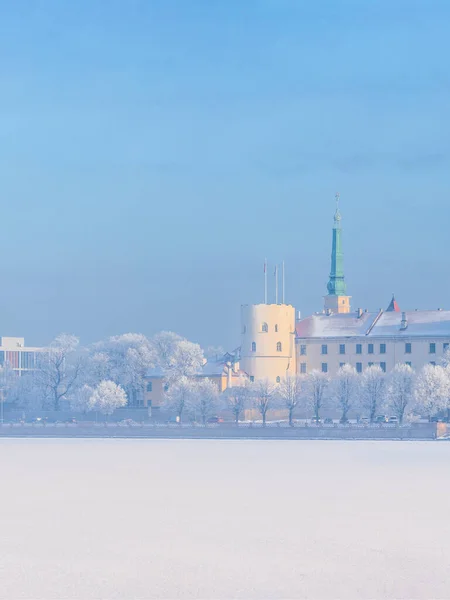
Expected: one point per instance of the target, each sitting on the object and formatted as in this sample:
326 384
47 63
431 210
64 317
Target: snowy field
129 519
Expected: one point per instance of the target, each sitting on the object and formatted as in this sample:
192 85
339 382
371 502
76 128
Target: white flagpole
276 284
283 281
265 281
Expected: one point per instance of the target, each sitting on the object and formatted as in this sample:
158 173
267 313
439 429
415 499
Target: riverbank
423 431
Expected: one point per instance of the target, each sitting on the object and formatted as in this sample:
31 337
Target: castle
274 344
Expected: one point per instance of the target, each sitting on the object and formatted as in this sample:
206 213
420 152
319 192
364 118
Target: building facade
14 353
268 341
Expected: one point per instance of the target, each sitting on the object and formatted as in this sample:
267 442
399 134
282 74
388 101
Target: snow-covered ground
113 519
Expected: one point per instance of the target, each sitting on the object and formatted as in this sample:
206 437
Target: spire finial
337 214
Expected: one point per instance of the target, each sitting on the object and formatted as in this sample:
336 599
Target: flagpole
276 284
283 281
265 281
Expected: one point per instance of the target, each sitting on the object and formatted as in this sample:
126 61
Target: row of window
279 347
358 366
18 359
371 348
265 328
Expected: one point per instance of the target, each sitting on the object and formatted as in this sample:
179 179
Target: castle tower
268 341
337 300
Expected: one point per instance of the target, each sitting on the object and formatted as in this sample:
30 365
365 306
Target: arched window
276 328
279 347
253 346
264 328
278 379
149 386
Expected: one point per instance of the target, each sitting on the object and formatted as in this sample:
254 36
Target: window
279 347
341 348
383 367
303 368
408 364
303 349
166 387
264 328
252 378
445 346
370 349
432 348
370 364
432 363
276 328
324 349
359 367
358 348
149 386
324 367
382 348
278 379
253 346
408 348
341 365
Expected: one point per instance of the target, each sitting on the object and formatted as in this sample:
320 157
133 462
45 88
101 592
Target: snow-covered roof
420 323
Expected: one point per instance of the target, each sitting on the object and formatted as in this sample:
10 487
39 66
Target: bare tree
289 393
400 390
432 389
236 398
59 369
205 396
345 389
373 390
315 388
263 396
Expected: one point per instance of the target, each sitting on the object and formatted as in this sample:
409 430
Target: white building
14 353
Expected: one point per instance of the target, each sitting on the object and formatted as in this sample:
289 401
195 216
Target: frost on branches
180 396
373 390
432 389
400 390
236 398
106 397
263 395
315 388
204 399
289 394
345 390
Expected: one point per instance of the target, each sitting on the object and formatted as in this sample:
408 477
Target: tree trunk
236 418
56 401
291 410
264 418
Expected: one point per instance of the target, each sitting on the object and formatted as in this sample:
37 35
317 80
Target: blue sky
153 152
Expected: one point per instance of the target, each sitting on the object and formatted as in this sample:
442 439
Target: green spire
336 285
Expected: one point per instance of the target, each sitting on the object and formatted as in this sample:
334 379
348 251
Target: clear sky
153 152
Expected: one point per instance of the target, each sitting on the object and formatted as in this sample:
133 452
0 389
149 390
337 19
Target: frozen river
129 519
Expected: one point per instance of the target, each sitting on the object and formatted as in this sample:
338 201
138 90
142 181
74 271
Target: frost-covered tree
204 398
58 369
176 356
236 398
345 390
289 393
400 390
432 389
124 359
373 390
106 397
214 352
180 396
263 395
315 388
81 399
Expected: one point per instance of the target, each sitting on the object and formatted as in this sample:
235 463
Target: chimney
328 312
359 312
404 323
299 316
